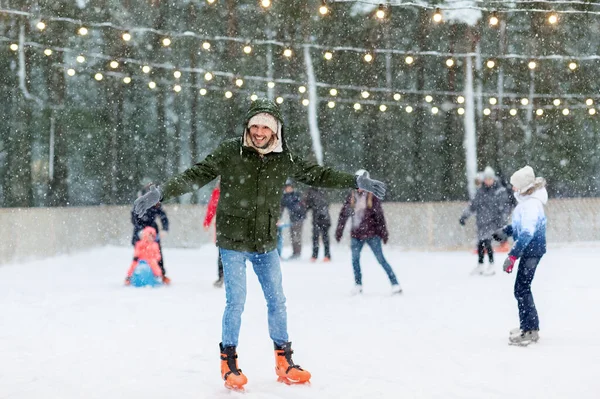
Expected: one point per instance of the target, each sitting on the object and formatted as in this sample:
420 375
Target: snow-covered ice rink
69 329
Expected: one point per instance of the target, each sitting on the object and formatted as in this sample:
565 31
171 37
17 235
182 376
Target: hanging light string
506 9
263 79
247 41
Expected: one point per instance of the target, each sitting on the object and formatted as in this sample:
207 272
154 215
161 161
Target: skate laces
231 363
287 352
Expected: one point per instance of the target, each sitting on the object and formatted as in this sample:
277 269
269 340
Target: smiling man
253 171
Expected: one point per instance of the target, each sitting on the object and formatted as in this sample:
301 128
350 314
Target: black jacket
316 200
294 205
149 219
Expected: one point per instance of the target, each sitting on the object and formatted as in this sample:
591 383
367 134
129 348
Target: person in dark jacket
253 170
148 219
316 200
491 208
368 227
292 201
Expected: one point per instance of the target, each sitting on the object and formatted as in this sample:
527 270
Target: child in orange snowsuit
147 250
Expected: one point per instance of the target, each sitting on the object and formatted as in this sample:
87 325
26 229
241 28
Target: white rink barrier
41 232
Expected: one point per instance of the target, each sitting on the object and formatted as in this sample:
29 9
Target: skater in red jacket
211 211
146 249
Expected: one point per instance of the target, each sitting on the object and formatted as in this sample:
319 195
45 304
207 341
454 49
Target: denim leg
268 270
527 312
375 244
356 246
234 272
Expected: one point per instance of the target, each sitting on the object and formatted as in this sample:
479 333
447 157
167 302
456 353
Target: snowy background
70 329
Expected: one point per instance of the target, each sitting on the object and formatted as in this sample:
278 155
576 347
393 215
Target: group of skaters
254 170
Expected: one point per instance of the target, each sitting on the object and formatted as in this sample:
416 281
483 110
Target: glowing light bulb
333 92
271 85
114 64
556 102
328 55
279 100
408 109
565 111
206 46
177 88
302 89
41 25
437 16
428 99
491 63
460 99
247 49
228 94
146 69
589 102
305 102
265 3
461 111
14 47
494 21
287 53
487 111
435 110
409 60
592 111
208 76
166 42
83 31
397 97
177 74
151 85
357 106
524 101
126 80
204 91
365 94
513 112
323 10
532 65
48 52
449 62
572 66
253 97
331 104
539 112
98 76
368 57
382 107
239 82
126 36
493 101
71 72
553 18
80 59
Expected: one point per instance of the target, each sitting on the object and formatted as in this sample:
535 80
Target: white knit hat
523 179
488 173
264 119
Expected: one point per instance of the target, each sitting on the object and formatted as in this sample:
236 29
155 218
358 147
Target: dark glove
147 201
499 235
462 220
338 237
364 182
509 263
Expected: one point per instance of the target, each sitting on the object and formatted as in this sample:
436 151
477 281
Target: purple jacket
372 224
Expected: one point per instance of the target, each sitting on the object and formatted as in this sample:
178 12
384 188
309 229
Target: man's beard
267 144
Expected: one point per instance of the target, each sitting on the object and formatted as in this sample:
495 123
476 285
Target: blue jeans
375 243
267 268
527 312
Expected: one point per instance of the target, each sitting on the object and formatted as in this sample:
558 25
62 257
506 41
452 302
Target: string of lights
168 36
146 67
445 7
383 106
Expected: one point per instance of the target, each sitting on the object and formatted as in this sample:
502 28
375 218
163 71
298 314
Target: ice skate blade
235 388
287 381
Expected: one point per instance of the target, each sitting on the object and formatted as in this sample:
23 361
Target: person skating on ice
528 229
316 200
253 170
211 211
148 219
368 227
291 200
490 206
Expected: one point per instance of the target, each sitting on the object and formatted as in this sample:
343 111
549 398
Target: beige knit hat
523 179
264 119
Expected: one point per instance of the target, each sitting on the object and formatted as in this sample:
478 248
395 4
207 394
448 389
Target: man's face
488 182
289 189
260 135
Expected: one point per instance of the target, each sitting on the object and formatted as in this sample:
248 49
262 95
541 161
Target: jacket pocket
233 225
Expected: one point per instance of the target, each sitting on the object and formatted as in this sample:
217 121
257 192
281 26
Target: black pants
485 245
320 231
220 265
296 234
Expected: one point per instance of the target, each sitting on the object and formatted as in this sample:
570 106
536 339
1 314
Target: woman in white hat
528 230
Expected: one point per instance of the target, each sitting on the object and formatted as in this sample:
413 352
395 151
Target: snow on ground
70 329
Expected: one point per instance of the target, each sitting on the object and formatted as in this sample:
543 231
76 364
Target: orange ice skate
288 372
233 377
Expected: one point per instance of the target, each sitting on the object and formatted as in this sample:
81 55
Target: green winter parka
252 186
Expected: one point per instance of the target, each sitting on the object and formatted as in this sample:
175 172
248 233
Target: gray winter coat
491 208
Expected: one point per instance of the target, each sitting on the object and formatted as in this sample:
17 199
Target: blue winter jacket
528 227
